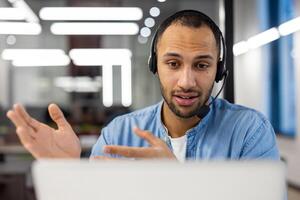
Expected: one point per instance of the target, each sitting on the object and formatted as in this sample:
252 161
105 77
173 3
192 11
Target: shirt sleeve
261 143
103 139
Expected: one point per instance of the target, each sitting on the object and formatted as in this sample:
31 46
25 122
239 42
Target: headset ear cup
220 71
152 63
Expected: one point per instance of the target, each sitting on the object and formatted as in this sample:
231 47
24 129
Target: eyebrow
204 57
172 54
207 56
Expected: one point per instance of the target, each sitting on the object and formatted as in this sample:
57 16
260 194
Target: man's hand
41 140
158 149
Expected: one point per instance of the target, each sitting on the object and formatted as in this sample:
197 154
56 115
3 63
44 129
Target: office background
266 74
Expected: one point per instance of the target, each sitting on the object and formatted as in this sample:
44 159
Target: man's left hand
157 150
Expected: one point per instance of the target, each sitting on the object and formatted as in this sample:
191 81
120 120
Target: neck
177 126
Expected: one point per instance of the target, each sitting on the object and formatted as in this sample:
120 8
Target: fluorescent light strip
19 28
30 16
107 83
240 48
263 38
78 84
266 37
22 54
91 13
289 27
36 57
86 84
42 62
256 41
107 58
126 83
104 28
97 57
11 14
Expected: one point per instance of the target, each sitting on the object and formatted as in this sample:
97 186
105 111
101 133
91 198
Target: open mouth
185 100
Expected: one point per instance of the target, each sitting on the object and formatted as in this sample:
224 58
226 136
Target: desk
17 149
13 180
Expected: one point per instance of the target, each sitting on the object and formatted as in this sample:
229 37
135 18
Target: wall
4 71
248 78
248 68
297 69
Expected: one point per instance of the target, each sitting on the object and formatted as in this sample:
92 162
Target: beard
203 98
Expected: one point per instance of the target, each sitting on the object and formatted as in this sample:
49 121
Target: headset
222 71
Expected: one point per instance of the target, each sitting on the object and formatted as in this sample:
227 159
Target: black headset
221 65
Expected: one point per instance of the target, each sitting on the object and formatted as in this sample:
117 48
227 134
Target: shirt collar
190 132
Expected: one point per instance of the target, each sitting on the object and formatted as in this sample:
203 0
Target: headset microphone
204 110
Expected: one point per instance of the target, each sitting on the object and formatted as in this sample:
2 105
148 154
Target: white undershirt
179 147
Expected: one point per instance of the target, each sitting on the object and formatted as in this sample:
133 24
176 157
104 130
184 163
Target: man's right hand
41 140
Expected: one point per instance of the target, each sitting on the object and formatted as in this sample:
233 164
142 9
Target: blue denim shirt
228 131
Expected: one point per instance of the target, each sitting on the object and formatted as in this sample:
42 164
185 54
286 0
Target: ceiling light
289 26
154 11
97 57
19 28
36 57
11 14
42 62
145 32
91 28
107 82
126 83
91 13
142 40
30 16
11 40
149 22
240 48
78 84
263 38
107 59
18 54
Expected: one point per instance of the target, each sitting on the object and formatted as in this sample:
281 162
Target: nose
187 78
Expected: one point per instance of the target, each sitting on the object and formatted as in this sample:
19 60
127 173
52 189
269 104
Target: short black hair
189 18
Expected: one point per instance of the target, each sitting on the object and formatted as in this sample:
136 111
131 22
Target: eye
173 64
201 65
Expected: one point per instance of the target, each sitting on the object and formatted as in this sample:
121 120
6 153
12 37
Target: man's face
186 64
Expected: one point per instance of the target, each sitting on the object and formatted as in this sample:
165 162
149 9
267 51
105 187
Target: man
187 124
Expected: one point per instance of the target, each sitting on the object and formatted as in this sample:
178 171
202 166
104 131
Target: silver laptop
137 180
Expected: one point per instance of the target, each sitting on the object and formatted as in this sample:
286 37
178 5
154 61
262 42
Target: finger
16 120
130 152
25 138
19 123
27 118
146 135
58 117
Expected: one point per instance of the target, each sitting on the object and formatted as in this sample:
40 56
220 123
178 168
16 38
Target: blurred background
90 57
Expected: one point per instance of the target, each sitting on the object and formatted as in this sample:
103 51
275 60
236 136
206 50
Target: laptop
158 180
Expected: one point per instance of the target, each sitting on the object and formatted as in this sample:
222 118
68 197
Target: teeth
185 97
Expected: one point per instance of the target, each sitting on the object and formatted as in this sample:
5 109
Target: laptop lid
139 180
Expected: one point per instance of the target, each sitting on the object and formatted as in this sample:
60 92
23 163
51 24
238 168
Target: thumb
57 116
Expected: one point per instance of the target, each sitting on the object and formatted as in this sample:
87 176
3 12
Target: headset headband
221 65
